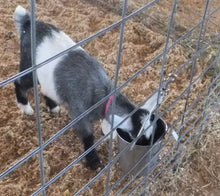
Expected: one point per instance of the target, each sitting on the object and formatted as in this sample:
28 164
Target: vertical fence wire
195 59
162 71
36 95
163 62
114 88
206 21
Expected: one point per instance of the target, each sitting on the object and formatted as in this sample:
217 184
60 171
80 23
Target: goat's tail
21 17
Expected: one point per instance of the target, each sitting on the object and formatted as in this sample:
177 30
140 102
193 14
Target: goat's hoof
55 110
94 166
94 163
26 109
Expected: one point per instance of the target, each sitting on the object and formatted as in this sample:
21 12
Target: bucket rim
158 141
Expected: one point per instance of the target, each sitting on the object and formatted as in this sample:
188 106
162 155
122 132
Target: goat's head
130 129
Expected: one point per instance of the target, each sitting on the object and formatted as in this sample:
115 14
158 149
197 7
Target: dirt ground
199 172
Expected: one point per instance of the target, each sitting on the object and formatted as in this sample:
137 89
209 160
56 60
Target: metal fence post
36 97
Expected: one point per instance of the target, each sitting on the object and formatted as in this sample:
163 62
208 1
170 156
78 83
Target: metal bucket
130 157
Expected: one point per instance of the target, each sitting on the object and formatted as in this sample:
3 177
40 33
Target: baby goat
76 80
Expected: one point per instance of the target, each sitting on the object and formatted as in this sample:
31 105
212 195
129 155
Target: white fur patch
26 109
126 125
147 125
51 46
149 132
55 110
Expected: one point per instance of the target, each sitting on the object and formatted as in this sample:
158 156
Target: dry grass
141 43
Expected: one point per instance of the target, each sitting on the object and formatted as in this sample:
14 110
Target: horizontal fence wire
37 150
102 101
112 160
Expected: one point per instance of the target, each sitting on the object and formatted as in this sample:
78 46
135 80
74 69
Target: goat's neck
122 108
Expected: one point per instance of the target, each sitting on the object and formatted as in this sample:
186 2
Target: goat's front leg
92 159
85 134
22 85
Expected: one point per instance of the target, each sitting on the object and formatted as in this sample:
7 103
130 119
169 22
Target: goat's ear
124 135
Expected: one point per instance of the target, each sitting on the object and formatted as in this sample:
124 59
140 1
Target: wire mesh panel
163 55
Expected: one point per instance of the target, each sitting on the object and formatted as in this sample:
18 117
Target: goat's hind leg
22 85
52 105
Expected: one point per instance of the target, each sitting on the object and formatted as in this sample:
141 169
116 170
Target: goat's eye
152 117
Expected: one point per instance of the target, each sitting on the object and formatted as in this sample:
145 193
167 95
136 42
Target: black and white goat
76 80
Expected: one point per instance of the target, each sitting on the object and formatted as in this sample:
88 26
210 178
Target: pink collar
108 104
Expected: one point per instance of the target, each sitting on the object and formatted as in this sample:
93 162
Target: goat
76 80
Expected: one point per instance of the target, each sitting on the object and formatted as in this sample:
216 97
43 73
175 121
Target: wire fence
190 123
